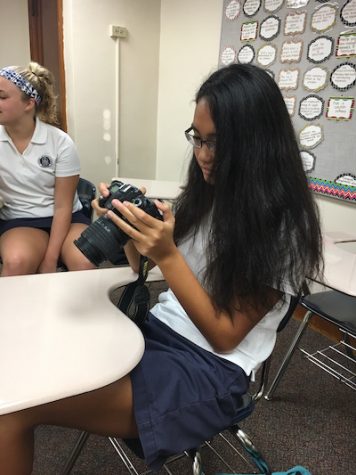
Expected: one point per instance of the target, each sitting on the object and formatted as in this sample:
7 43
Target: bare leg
106 411
22 250
70 254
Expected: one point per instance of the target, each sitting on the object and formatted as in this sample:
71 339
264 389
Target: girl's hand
104 192
151 237
48 266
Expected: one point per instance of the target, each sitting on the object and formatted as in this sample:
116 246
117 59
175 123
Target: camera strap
135 299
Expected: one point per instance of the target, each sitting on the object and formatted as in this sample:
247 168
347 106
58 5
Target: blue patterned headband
21 83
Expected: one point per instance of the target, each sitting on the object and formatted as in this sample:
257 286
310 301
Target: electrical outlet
118 31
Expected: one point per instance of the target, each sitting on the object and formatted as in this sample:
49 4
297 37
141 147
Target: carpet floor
311 421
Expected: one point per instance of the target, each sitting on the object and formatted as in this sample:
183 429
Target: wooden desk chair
249 401
339 359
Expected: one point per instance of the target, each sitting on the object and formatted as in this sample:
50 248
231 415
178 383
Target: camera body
102 240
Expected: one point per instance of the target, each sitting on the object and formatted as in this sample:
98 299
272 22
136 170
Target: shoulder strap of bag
135 299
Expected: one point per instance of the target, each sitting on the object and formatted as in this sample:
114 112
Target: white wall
337 215
189 49
91 57
175 41
14 33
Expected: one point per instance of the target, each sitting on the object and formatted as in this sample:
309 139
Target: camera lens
101 241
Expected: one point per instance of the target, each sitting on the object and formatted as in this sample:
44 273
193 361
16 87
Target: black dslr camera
102 240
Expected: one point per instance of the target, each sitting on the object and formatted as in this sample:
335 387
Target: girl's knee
14 424
75 260
16 444
18 264
22 250
72 257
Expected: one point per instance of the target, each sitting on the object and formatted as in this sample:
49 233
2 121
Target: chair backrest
264 370
86 193
292 306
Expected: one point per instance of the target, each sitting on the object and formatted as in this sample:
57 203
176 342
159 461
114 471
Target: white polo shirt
27 180
257 344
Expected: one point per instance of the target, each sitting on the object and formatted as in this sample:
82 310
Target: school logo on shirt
45 161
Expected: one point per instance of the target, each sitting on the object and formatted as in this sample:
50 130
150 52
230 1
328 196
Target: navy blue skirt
39 223
182 394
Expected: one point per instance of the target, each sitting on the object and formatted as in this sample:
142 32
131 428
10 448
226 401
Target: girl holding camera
39 172
242 238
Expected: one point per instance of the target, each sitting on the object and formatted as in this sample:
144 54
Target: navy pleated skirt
39 223
182 394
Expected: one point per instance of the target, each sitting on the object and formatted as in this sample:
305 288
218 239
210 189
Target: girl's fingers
126 220
103 189
104 192
165 210
98 209
135 215
151 237
125 211
123 225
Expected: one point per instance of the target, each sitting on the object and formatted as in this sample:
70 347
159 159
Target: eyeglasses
198 142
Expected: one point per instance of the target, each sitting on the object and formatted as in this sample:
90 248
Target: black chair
249 401
338 359
86 193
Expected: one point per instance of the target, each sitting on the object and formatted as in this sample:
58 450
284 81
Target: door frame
39 37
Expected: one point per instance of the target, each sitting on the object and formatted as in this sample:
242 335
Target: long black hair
264 222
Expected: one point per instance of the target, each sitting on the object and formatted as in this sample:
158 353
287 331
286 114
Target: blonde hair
43 81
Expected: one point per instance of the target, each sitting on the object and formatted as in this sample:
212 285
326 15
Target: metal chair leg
288 355
83 437
252 451
122 454
197 461
264 380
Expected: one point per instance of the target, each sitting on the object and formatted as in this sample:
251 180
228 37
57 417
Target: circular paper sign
343 77
266 55
311 107
251 7
232 10
308 160
315 79
297 3
323 18
270 27
228 56
320 49
311 136
273 5
348 13
246 54
346 179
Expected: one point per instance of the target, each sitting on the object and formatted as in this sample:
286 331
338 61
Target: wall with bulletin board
309 47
